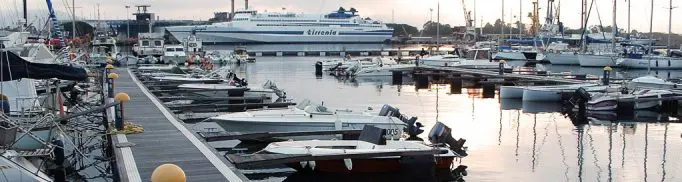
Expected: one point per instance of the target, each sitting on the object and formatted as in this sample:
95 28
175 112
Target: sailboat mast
613 27
25 15
438 24
651 24
502 21
670 21
73 21
629 18
520 15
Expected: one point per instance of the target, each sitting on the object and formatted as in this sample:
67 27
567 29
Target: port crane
470 33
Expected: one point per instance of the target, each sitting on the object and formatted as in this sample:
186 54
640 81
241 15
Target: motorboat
652 82
307 116
103 49
475 59
445 149
385 68
174 54
224 90
609 101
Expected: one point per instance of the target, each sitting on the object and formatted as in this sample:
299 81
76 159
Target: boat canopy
14 67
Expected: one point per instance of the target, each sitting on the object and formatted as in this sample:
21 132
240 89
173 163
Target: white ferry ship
251 26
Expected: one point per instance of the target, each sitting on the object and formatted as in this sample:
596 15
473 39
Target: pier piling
456 85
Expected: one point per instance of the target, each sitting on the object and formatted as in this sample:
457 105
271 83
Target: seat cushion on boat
373 134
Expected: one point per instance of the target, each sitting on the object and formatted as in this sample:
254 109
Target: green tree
403 30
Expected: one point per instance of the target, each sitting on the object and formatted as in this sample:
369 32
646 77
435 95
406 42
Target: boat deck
165 140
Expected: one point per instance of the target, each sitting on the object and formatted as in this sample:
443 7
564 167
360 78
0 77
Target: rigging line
601 26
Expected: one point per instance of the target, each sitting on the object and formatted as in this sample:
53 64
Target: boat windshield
311 108
477 54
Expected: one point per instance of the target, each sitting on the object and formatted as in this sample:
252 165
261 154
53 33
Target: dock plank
163 141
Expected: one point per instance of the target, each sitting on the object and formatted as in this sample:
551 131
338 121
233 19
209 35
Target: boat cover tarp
14 67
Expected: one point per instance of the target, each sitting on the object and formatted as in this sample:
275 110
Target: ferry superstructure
251 26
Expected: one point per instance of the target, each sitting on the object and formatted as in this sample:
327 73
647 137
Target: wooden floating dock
164 140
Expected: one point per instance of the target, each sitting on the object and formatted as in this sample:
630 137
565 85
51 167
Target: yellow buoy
112 76
168 173
109 66
503 61
608 68
122 97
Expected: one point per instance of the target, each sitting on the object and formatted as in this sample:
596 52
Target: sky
413 12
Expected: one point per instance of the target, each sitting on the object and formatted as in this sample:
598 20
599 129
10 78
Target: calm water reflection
507 140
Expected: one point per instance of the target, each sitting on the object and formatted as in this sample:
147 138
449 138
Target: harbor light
122 97
168 173
112 76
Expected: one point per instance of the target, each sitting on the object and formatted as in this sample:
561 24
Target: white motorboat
174 54
103 49
599 59
652 82
609 101
224 90
554 93
307 116
366 165
475 59
341 154
385 68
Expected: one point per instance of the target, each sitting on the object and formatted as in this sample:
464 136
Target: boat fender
311 116
348 163
304 164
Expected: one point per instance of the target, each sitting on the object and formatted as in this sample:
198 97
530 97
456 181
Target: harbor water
506 140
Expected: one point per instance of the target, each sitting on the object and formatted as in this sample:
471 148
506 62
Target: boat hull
596 60
371 165
562 59
651 62
511 92
538 95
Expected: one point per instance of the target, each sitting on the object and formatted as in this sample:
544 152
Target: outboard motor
441 134
414 128
388 110
271 85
